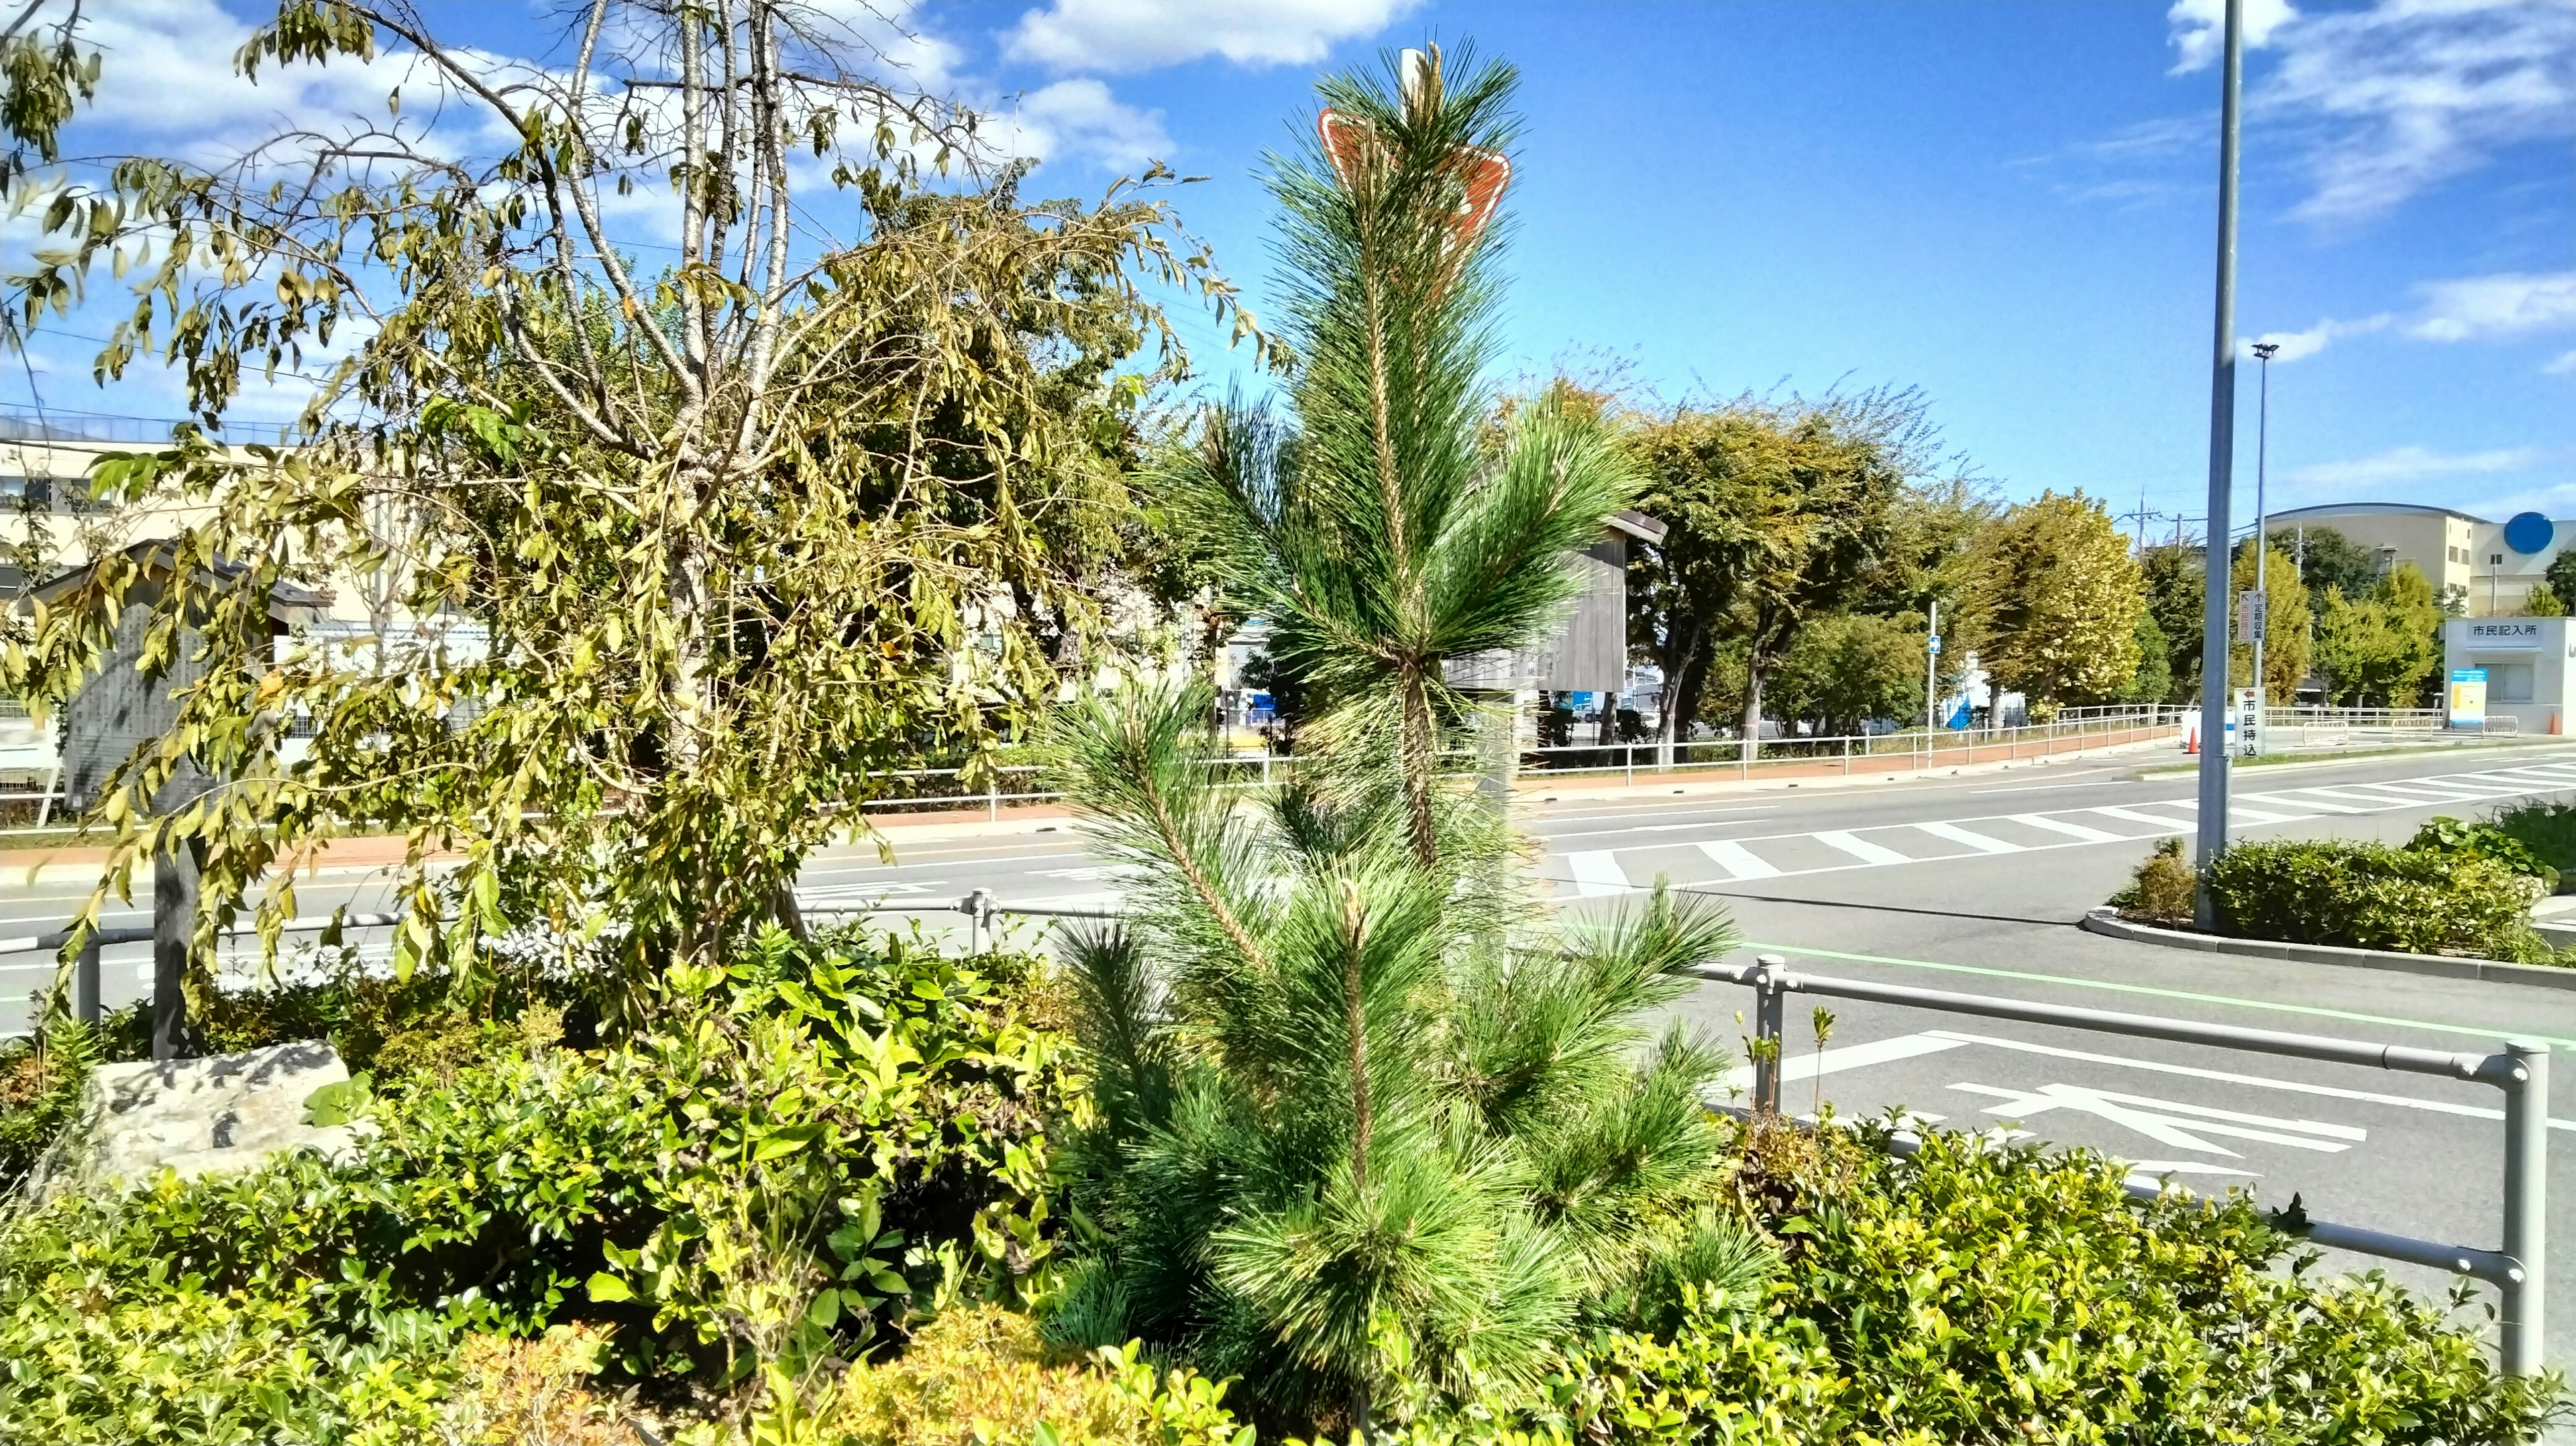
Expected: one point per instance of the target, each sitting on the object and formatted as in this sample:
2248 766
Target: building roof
1638 525
287 602
2363 509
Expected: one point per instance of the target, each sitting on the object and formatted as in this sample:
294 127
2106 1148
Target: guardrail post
1770 1014
978 909
2526 1203
993 798
85 981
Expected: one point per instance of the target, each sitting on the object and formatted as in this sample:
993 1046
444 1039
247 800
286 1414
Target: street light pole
2263 351
2222 459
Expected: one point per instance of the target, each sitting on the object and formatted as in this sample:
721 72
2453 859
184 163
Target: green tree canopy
2327 558
2057 600
684 559
1849 668
2286 642
2177 580
2384 648
1777 512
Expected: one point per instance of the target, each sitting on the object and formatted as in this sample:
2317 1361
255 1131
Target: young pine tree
1369 1134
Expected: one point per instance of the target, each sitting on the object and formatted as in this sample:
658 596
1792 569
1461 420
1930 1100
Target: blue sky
2009 205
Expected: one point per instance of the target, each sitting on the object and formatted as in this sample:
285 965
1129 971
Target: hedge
2369 896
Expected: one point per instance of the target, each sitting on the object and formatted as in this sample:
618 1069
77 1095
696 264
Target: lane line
2150 991
1861 848
1596 874
2071 830
1738 861
1982 843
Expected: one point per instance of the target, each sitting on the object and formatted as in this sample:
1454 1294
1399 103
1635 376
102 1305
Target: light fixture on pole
2222 461
2263 351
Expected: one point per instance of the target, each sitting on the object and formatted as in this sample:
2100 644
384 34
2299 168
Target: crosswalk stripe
1860 848
1982 843
2169 825
2071 830
2375 800
1738 861
1597 873
2236 813
2436 792
2299 799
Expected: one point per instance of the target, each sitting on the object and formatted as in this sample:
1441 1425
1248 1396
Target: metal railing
1912 749
2517 1269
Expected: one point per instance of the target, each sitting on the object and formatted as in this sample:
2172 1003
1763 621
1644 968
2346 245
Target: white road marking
2170 1122
1860 848
2236 814
1738 861
2299 801
1852 1056
1982 843
2071 830
2169 825
1596 873
2152 1066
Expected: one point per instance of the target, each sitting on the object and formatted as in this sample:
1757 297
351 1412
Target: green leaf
825 1309
340 1102
606 1288
786 1140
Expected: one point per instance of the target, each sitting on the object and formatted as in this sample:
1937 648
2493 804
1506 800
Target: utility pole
2263 351
2222 462
1932 673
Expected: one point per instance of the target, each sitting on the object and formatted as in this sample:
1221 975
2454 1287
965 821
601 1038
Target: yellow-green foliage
2059 597
980 1374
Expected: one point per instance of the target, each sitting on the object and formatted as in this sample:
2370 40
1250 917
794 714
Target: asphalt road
1974 884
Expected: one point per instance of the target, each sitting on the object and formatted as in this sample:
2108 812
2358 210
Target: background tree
2287 641
2328 558
2176 581
2057 601
2543 601
2155 680
2384 648
1847 669
736 536
1775 512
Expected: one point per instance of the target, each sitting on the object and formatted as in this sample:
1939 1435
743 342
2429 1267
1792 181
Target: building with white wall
2526 665
2492 564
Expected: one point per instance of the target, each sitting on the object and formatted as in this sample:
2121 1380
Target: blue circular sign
2529 532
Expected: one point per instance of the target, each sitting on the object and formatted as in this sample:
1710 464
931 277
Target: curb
2439 966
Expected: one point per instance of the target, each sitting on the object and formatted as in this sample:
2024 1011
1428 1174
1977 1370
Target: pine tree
1368 1130
1391 531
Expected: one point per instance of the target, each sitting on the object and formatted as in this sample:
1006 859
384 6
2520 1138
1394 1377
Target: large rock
195 1116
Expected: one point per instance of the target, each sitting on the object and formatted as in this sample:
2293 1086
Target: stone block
195 1116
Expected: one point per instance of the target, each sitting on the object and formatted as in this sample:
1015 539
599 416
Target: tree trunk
174 919
1683 671
1753 671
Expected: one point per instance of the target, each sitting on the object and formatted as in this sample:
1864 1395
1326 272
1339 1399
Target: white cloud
1128 35
2564 366
1081 118
2296 345
2506 304
2399 97
2197 28
2413 464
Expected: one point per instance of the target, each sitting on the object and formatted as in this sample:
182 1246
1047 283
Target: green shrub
2546 829
1979 1294
2447 835
810 1147
2160 891
2370 896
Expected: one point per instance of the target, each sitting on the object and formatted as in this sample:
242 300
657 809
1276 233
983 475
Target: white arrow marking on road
1851 1056
2170 1122
1738 861
1596 873
1860 848
2071 830
1982 843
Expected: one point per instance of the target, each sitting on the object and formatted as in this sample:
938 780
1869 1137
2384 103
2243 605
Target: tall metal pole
2222 458
2262 525
1932 674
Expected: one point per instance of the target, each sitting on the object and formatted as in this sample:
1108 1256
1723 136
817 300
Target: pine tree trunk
1420 746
